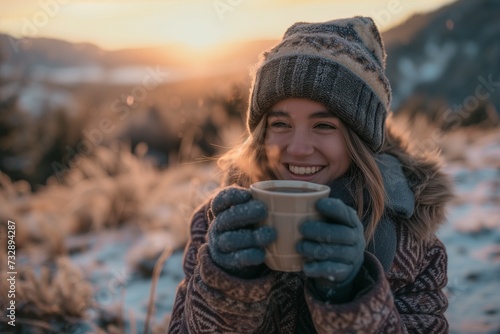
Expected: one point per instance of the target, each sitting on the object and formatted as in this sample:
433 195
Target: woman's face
303 142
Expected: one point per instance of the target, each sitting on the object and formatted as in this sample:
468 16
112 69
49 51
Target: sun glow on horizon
195 32
199 24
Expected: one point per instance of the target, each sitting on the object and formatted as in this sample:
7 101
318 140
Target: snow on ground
121 289
472 239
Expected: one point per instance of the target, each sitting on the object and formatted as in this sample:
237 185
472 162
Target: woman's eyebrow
278 113
321 114
314 115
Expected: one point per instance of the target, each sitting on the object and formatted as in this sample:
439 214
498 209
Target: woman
317 113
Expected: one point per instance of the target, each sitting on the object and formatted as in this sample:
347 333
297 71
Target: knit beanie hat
339 63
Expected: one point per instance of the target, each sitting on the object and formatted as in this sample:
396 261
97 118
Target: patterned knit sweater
405 298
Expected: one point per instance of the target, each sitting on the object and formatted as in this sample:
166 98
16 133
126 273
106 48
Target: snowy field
472 238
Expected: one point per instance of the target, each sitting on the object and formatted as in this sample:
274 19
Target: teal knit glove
235 243
333 249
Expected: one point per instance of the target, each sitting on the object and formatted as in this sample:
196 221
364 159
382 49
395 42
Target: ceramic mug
289 204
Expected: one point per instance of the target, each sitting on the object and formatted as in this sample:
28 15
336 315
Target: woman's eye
278 124
325 126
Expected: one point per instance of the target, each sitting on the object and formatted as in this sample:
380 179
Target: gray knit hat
339 63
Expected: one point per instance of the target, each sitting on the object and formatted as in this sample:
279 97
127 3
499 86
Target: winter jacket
400 285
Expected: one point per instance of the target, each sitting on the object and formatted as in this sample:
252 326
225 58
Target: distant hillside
446 55
57 53
49 52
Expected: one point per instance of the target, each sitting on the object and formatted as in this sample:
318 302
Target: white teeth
303 170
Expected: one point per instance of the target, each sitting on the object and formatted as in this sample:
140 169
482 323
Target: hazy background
118 24
112 113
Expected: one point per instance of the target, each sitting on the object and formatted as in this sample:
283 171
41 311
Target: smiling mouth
304 170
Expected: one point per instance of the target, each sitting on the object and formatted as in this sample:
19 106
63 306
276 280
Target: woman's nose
300 145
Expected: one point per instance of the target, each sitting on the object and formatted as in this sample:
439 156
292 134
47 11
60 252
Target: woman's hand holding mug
235 242
333 249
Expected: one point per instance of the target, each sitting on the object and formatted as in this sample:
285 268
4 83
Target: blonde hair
366 175
247 163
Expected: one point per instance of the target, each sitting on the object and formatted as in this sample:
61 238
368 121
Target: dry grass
156 275
106 190
60 291
463 145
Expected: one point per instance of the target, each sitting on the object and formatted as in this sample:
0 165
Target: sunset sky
113 24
